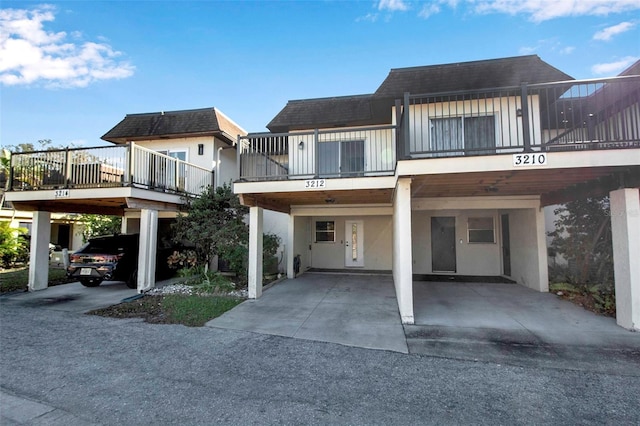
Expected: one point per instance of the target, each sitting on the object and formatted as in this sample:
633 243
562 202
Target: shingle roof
376 108
174 124
469 76
357 110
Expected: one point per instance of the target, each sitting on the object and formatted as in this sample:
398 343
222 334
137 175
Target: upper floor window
178 154
464 135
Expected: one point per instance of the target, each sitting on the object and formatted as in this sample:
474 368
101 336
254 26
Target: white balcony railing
103 167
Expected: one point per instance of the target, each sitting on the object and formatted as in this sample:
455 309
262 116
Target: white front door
353 244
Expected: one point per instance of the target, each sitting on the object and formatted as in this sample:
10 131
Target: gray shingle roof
469 76
358 110
174 124
376 108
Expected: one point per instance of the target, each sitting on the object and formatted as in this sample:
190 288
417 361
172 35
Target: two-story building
445 170
157 160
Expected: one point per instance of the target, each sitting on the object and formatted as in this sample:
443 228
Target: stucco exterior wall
377 243
302 241
528 259
482 259
226 171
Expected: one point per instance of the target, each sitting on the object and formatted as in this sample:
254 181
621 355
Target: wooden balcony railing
103 167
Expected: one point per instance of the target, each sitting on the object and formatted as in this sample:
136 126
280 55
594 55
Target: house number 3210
532 159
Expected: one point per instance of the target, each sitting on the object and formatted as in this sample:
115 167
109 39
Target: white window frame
474 240
328 232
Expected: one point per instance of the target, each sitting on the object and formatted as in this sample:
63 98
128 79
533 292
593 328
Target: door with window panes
341 158
463 135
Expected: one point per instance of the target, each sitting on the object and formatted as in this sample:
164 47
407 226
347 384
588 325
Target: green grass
18 279
195 311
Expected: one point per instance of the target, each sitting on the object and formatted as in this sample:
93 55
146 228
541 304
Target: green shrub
14 246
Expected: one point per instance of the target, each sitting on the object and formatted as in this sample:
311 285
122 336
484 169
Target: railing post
67 167
130 149
238 161
524 107
316 157
405 122
398 147
11 173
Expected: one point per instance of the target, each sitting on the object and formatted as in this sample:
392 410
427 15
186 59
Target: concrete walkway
353 310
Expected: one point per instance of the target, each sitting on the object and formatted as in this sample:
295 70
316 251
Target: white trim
298 185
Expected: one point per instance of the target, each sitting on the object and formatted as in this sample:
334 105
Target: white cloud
369 17
543 10
29 54
567 50
528 50
428 10
608 33
614 68
393 5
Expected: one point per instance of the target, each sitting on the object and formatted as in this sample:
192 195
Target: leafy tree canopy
95 225
215 224
583 237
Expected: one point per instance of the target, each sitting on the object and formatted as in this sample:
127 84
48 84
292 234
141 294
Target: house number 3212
314 183
532 159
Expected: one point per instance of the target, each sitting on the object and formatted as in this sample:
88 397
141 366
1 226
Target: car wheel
90 283
132 282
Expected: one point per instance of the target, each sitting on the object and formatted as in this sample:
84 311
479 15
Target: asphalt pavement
59 367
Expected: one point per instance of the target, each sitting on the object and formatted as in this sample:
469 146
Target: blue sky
71 70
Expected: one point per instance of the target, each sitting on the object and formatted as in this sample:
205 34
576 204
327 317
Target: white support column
255 252
402 257
290 246
542 258
39 255
625 227
147 251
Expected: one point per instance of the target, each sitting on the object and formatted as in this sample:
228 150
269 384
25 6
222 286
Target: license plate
85 271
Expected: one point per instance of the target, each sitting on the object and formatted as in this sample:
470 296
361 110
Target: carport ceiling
513 182
281 201
108 206
553 185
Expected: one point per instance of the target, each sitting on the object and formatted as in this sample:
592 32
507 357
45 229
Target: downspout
218 164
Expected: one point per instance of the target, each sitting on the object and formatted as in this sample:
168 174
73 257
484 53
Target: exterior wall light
301 145
200 149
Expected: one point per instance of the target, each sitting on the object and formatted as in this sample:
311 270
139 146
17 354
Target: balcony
106 167
102 180
562 116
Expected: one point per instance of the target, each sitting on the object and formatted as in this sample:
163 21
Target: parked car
113 258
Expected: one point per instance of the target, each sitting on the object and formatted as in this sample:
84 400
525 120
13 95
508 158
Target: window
180 155
481 230
463 133
325 231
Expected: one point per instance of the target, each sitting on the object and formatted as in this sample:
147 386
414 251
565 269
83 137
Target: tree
583 237
95 225
14 246
214 223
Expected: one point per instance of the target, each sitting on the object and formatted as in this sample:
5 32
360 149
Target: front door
353 247
443 244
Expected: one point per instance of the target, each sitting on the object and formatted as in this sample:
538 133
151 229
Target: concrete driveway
511 323
353 310
73 297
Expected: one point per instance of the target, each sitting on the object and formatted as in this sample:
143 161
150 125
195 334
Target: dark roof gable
474 75
155 125
324 113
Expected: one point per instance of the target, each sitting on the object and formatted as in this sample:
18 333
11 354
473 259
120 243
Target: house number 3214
532 159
